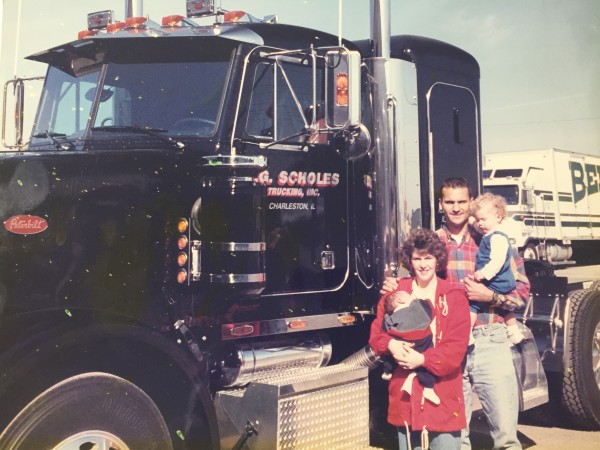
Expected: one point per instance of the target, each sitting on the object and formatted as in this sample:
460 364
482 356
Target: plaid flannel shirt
461 262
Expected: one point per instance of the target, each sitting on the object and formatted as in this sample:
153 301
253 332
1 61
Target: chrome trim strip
234 278
238 246
236 161
282 326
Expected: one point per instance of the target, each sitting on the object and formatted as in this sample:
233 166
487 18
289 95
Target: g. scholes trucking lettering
320 179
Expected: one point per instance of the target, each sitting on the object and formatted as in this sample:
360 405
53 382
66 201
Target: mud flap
533 385
326 407
531 378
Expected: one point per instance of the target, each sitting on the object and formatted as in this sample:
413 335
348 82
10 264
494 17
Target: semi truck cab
202 218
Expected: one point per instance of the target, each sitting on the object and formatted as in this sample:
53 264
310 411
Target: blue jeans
437 441
490 371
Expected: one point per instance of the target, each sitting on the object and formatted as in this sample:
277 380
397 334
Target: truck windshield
509 192
174 98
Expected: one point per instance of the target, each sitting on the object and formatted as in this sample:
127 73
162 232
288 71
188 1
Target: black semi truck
195 234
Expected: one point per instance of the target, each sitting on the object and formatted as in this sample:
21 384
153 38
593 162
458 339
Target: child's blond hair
487 198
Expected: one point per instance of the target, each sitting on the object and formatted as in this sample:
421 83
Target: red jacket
444 360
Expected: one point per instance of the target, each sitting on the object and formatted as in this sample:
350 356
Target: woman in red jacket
422 422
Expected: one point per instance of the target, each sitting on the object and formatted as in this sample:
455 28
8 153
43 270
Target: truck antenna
17 40
340 22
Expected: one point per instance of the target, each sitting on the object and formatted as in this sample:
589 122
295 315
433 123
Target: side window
282 95
260 115
67 103
73 112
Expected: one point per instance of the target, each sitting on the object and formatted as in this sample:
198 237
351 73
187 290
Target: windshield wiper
154 132
67 145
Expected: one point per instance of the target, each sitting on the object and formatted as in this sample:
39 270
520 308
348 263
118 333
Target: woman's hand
389 284
405 355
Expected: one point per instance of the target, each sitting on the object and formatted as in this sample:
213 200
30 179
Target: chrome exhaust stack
134 8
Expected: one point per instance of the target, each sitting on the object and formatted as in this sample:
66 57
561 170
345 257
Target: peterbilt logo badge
25 224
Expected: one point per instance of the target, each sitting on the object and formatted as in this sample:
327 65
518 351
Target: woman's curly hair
423 239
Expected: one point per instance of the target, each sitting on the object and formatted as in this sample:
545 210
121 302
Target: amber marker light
135 22
171 21
182 259
86 33
297 324
182 276
341 89
233 16
182 225
182 242
346 319
112 27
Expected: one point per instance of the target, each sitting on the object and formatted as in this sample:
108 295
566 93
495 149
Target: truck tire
581 389
595 286
91 410
530 252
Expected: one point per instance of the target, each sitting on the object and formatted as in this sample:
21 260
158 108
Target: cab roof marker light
234 16
113 27
86 34
240 16
172 20
135 22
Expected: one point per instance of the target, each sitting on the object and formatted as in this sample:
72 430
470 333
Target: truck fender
147 360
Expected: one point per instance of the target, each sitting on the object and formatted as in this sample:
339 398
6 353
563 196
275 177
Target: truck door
306 181
453 135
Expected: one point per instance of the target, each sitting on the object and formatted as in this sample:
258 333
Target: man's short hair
455 183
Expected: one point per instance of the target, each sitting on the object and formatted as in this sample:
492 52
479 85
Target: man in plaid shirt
491 373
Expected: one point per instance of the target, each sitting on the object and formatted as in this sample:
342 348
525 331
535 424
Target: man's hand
476 291
389 284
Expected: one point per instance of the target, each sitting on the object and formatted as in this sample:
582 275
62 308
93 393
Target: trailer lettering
592 173
585 181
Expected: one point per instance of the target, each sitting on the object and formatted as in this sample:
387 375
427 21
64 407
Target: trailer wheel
530 252
91 410
581 384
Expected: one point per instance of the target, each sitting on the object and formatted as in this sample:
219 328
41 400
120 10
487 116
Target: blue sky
540 59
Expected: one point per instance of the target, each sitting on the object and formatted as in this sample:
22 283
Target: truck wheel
530 252
581 384
595 286
91 410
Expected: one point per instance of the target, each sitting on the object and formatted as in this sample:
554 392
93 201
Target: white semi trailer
553 199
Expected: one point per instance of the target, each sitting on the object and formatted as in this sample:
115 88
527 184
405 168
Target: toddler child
492 262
